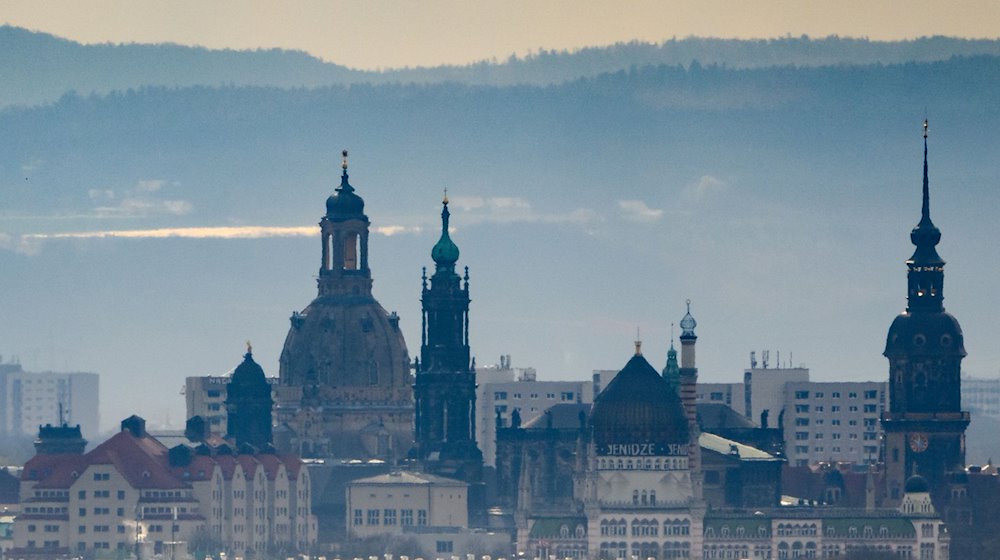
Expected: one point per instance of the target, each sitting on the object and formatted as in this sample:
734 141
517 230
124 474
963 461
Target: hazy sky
381 33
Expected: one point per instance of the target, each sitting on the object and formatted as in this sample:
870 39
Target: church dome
920 333
916 484
639 405
345 204
249 375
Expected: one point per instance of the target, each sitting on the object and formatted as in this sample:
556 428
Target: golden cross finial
344 160
249 348
445 201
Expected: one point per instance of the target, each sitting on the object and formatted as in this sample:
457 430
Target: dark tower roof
249 375
344 204
445 252
639 405
925 328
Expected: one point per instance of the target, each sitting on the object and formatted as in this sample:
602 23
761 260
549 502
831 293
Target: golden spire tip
445 201
249 348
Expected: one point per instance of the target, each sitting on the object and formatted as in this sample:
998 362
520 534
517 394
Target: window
500 395
389 517
818 394
83 512
852 409
852 422
373 516
801 408
82 494
835 435
835 422
534 395
870 436
801 421
421 517
716 397
870 422
870 408
120 512
358 517
81 529
871 394
818 435
835 408
802 394
852 395
818 408
802 436
406 517
550 396
121 494
445 546
818 421
802 449
835 394
568 396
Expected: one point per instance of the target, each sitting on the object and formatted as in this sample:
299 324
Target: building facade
205 396
131 495
31 399
834 421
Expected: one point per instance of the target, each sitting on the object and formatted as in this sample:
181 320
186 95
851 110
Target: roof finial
925 210
638 343
343 161
445 201
249 348
671 335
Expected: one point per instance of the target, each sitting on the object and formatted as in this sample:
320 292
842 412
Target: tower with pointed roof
925 425
248 404
445 389
345 361
688 386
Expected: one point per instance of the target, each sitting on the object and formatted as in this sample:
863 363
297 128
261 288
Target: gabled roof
142 461
409 478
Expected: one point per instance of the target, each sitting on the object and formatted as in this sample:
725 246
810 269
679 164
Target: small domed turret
344 204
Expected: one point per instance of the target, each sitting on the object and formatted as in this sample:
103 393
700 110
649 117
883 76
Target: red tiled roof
293 464
271 464
141 460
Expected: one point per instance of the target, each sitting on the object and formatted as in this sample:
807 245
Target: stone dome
348 343
923 333
639 405
345 203
915 484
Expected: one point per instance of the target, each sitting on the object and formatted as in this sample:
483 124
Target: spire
925 236
344 185
445 252
672 371
925 277
638 343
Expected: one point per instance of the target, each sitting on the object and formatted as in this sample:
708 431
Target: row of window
804 436
563 396
658 464
869 395
389 517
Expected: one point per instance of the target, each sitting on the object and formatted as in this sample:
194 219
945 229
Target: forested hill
38 67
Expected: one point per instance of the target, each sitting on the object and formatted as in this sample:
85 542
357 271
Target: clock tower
925 425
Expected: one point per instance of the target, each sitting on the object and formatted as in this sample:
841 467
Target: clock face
918 442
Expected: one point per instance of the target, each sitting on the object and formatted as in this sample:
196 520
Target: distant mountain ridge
38 67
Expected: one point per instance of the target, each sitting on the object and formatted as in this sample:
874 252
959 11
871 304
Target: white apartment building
502 389
392 503
981 396
205 396
29 400
834 421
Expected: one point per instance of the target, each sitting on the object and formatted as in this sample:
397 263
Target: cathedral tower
445 387
345 365
925 425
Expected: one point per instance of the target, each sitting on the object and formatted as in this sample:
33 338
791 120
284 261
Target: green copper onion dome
445 252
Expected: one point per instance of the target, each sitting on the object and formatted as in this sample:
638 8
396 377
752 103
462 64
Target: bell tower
344 269
925 425
445 388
